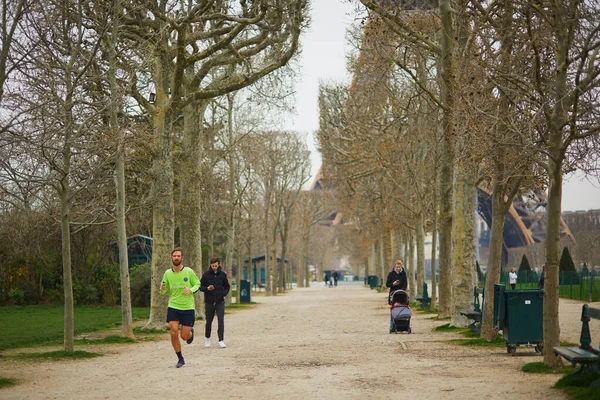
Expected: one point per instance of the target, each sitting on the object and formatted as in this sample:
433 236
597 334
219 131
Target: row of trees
449 97
152 118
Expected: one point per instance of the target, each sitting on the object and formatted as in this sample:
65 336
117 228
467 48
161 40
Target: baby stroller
400 312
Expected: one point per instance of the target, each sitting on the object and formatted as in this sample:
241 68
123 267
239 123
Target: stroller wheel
409 330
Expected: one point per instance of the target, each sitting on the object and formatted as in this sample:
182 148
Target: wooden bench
585 355
476 313
425 300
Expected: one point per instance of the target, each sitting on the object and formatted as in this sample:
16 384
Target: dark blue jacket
395 276
219 281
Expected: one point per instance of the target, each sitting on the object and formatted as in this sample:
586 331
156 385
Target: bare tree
62 121
200 51
116 98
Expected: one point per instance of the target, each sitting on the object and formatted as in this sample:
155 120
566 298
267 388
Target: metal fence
583 286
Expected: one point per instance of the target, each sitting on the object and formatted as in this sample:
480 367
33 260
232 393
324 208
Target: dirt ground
315 343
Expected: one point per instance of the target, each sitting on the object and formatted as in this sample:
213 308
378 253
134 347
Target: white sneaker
222 344
207 342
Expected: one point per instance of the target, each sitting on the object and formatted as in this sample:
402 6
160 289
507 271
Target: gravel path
315 343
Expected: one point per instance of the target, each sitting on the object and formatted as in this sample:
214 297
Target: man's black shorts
185 317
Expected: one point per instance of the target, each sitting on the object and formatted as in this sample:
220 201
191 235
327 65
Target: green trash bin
372 280
523 322
245 296
499 306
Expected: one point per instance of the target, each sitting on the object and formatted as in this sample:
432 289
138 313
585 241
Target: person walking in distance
512 278
215 286
335 277
181 283
396 279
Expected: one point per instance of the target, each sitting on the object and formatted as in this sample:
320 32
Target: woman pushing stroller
396 279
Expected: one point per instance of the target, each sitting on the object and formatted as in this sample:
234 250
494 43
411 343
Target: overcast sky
323 59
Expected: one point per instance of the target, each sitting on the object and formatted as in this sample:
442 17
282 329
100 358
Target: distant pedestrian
335 277
541 282
396 279
181 283
512 278
215 286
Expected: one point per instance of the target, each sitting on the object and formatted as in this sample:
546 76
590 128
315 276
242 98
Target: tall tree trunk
395 244
302 260
463 238
495 253
126 313
551 275
230 256
231 161
267 202
191 190
377 261
274 265
500 206
286 276
382 256
306 247
239 268
448 94
553 208
434 219
420 254
210 240
65 220
411 266
372 264
191 184
69 313
163 208
251 276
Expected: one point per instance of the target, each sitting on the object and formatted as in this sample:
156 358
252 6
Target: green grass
58 355
568 344
539 367
480 342
577 292
436 318
473 337
44 324
5 382
579 387
448 328
574 291
424 310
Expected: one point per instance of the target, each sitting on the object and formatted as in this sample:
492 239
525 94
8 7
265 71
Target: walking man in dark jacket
215 286
396 279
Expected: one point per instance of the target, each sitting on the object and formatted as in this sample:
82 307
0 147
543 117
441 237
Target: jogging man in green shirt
181 283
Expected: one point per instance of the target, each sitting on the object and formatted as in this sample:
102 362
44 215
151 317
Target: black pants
219 308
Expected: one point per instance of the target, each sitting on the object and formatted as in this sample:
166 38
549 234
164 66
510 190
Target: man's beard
177 263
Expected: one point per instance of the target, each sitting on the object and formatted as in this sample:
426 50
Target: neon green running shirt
175 282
